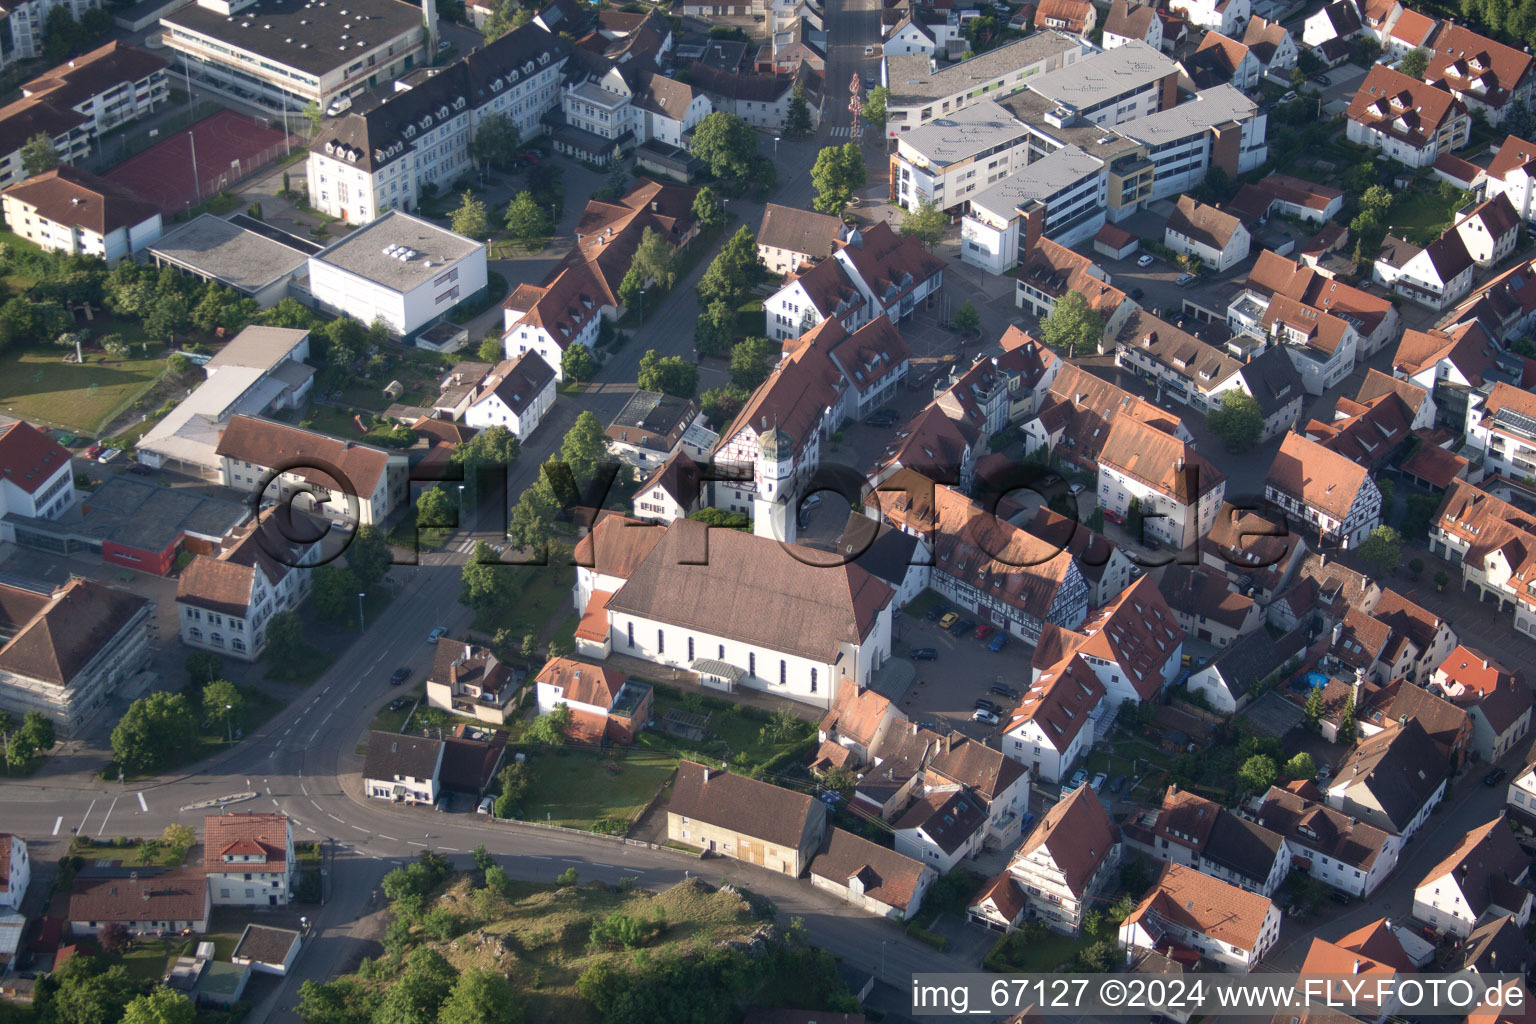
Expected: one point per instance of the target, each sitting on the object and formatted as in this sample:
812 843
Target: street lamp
461 505
229 735
360 611
775 149
642 304
882 956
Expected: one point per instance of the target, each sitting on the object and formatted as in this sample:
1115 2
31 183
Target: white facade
1364 513
1452 135
27 22
243 635
26 221
1225 16
1030 745
1233 252
250 881
19 872
1232 957
1176 523
48 501
921 847
523 335
405 309
491 411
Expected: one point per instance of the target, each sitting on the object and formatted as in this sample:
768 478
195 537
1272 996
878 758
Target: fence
132 139
239 170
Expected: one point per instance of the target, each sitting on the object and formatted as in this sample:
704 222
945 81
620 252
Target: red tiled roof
245 834
1206 905
1402 107
28 457
1078 834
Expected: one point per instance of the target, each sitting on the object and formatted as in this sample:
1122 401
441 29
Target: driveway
946 689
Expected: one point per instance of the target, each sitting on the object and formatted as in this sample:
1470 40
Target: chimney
1357 968
429 14
1338 634
1034 227
655 206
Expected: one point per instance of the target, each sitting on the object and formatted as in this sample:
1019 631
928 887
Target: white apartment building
399 269
1513 174
1322 346
249 859
36 480
1406 119
516 395
1070 858
1112 87
15 872
1225 16
949 160
1067 191
1344 852
22 36
73 211
1503 427
1231 926
1179 492
1053 726
1220 127
920 92
612 112
379 154
285 54
1480 878
224 601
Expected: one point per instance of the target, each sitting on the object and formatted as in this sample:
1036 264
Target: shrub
927 937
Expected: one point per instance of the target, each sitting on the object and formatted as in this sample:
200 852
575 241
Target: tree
420 991
38 727
83 993
223 705
334 592
1238 420
672 375
1135 518
874 105
1072 324
1301 767
1442 579
1347 724
731 273
285 639
1382 551
1315 706
715 330
1257 773
836 175
179 837
486 584
726 144
368 555
1377 201
203 667
526 220
481 997
495 142
653 260
219 306
314 115
585 447
113 937
751 360
577 364
550 728
171 314
20 752
531 517
471 218
966 318
153 731
1414 63
797 120
160 1006
491 349
482 858
721 405
436 510
926 224
707 209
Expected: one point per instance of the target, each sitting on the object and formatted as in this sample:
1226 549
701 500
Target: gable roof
1159 461
180 894
947 817
392 755
1203 904
264 442
1514 154
79 199
1483 865
1060 701
795 230
1253 657
856 713
1402 107
1401 768
28 457
1132 21
756 809
888 877
1203 592
1243 847
54 636
264 834
1310 824
1473 680
617 545
1316 476
585 684
1078 834
978 767
1465 61
517 382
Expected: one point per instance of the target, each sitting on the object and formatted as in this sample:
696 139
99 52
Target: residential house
73 211
1053 726
1480 878
1321 345
72 653
744 819
404 769
1337 20
860 721
889 274
1132 22
1338 849
999 782
1271 45
469 680
1489 77
1520 799
999 904
17 872
1489 231
1491 539
653 427
1411 31
1512 174
941 828
36 481
1375 953
1450 364
1287 195
1220 60
1074 17
225 600
873 878
1431 637
1409 120
1497 700
1075 416
1189 829
1049 270
1497 945
1375 320
674 491
1230 680
1105 566
1325 490
1185 368
1435 276
1133 644
1258 556
789 238
1502 430
516 395
349 481
1448 726
1233 927
266 950
147 903
1322 593
1070 858
1177 490
249 859
1392 780
1206 607
1225 16
604 706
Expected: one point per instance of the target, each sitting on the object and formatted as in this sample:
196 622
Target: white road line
570 860
534 856
333 817
56 823
142 805
327 717
274 801
310 830
317 806
390 838
450 849
360 828
84 816
304 789
422 845
269 791
106 816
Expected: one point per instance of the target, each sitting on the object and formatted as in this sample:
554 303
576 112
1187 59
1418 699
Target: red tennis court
228 147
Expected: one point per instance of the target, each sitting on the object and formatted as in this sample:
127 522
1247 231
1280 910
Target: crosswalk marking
842 131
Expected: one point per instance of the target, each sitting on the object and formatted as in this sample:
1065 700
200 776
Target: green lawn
733 736
921 603
577 789
1420 217
542 592
306 668
132 854
37 385
147 960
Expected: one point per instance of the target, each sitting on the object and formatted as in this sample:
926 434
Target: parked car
1078 778
983 704
1003 689
399 676
109 454
1117 783
983 631
93 451
1114 517
438 632
1145 260
1076 488
937 611
998 643
1185 280
883 418
485 805
869 51
1340 897
139 469
949 619
399 703
1494 777
1098 782
924 654
962 627
1322 80
982 715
